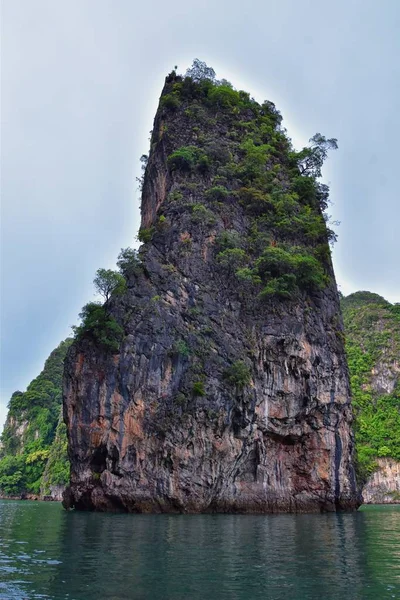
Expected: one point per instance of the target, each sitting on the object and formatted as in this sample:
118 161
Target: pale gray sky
80 81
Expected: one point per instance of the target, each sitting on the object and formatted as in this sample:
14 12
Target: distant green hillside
29 432
372 327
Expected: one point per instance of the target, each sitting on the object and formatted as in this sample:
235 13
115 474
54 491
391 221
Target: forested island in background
34 460
372 328
33 448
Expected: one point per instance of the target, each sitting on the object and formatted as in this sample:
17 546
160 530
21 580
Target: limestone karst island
216 375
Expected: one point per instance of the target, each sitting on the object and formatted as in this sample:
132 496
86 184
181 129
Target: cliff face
373 347
230 390
383 486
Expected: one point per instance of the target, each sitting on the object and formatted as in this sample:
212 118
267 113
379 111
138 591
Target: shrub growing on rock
188 158
198 389
128 262
238 374
99 326
217 193
170 101
145 234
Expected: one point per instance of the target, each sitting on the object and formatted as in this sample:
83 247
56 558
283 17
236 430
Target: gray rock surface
383 487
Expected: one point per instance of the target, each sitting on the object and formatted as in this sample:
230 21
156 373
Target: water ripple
86 556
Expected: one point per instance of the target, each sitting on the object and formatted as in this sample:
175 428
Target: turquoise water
46 552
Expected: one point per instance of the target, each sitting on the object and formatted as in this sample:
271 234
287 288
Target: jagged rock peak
228 390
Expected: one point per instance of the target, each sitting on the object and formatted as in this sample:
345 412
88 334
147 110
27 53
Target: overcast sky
80 81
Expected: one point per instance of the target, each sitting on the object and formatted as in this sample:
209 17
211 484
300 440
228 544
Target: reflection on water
46 552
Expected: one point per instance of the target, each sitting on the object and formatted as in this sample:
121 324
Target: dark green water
46 552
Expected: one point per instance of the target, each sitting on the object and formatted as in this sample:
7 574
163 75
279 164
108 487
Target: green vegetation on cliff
372 328
96 322
56 472
252 162
26 441
239 160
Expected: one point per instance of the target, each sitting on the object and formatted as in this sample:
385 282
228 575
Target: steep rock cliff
229 390
373 348
383 486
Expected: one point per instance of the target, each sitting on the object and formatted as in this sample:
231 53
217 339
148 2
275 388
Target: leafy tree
224 96
238 374
99 326
145 234
228 239
283 286
232 258
286 271
97 323
255 201
217 193
254 162
200 71
311 159
128 262
12 474
187 158
108 282
170 101
248 275
272 112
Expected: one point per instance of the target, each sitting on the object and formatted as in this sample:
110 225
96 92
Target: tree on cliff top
97 323
200 71
311 158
